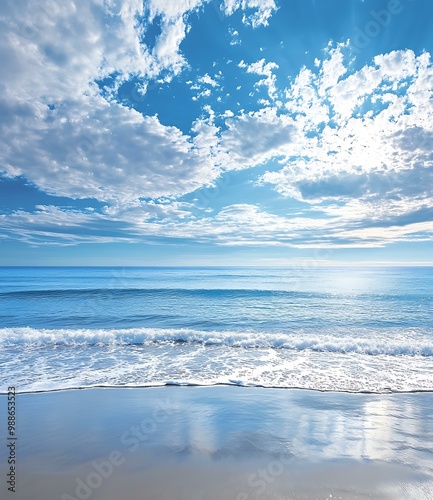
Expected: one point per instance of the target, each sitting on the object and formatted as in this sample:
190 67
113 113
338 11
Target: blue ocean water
325 328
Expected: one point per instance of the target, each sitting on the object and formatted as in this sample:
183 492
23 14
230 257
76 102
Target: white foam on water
363 361
396 343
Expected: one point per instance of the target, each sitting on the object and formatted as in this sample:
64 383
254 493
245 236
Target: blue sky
215 132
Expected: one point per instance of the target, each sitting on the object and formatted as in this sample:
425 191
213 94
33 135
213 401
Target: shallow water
344 329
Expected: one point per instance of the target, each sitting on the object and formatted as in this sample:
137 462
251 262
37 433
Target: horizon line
307 263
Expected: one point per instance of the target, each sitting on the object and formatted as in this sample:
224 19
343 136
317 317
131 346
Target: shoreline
188 444
221 384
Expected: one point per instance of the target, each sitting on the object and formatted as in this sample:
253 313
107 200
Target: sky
216 132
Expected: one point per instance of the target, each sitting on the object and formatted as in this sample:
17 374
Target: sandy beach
221 443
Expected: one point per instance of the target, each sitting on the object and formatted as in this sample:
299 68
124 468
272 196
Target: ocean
351 329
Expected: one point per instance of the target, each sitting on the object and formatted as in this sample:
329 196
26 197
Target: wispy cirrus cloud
235 225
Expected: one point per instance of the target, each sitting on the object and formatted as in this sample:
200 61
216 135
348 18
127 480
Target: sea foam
369 342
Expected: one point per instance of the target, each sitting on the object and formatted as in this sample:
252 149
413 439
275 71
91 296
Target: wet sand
220 443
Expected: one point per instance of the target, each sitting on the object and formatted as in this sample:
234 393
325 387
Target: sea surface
365 329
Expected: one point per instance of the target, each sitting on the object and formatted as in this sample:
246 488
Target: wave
140 292
374 343
189 292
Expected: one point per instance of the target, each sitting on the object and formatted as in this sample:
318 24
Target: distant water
329 329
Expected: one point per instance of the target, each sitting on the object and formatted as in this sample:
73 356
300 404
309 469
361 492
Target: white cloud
265 69
97 150
255 137
205 84
205 93
54 225
171 10
235 40
355 146
263 10
167 46
207 80
331 71
365 142
57 130
239 224
234 225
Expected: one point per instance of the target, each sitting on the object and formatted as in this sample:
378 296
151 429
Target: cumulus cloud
355 146
103 151
235 40
167 46
264 69
174 28
205 85
262 10
208 80
56 128
44 41
365 141
253 138
171 10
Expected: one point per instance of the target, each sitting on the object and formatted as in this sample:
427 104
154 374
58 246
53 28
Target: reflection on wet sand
223 443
